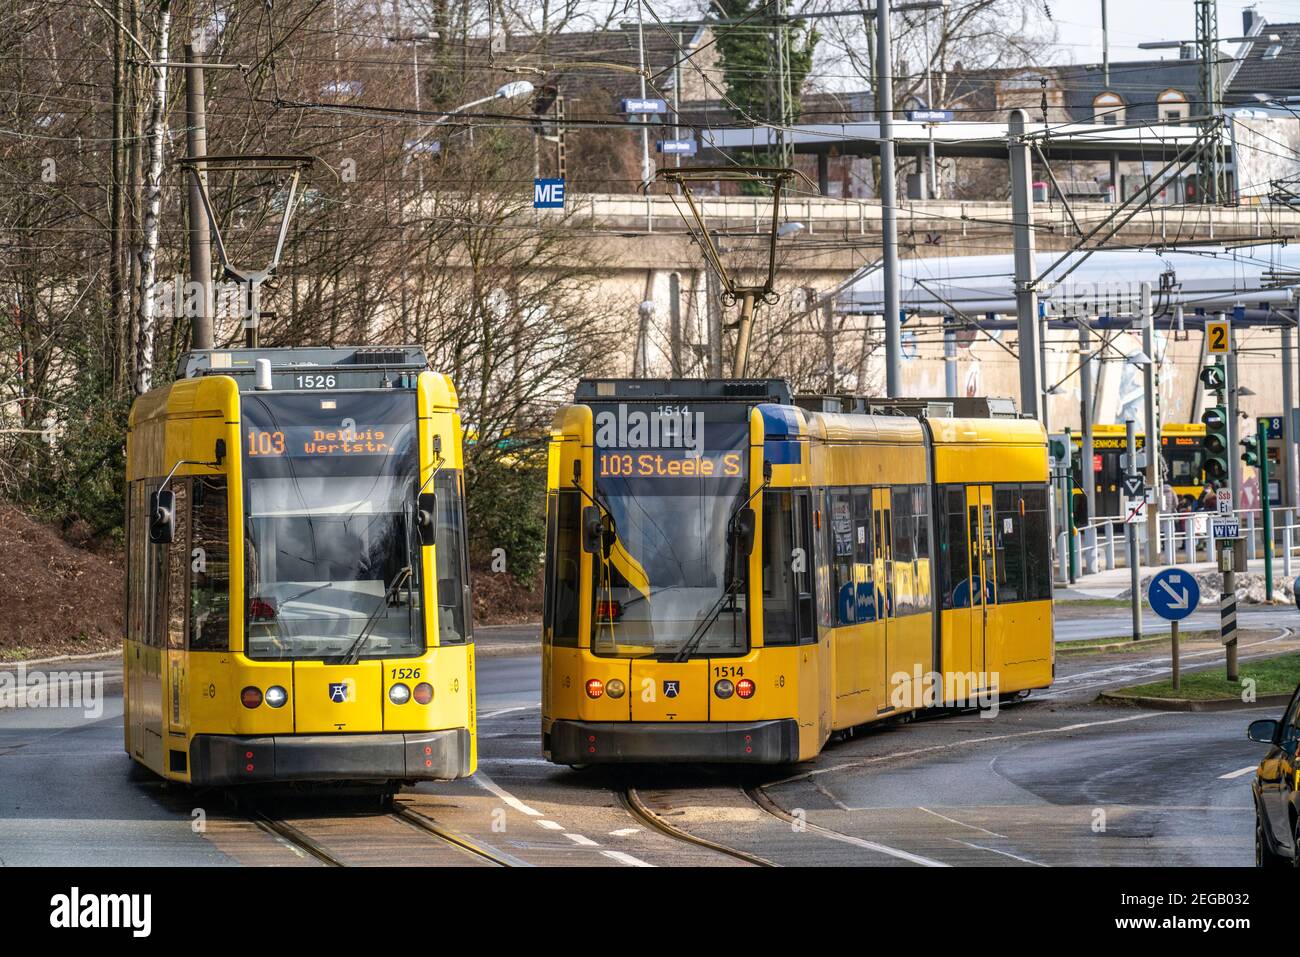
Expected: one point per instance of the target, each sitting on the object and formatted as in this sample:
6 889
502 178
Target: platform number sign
1217 340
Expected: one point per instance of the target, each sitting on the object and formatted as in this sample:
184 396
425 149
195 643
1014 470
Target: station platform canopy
1063 141
1256 283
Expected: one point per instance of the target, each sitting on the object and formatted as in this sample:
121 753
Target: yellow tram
297 588
1181 450
731 577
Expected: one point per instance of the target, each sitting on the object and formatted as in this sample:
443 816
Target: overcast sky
1134 21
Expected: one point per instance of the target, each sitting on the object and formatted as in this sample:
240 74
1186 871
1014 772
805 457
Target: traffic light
1215 458
1251 454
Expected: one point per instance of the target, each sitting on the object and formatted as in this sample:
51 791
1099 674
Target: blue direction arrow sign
1173 594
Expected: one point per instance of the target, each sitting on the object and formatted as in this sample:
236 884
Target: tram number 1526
315 381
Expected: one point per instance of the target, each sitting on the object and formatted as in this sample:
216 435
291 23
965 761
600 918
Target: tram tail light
609 610
423 693
595 687
261 609
745 688
250 697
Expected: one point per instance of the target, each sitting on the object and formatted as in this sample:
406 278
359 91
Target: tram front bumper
219 759
705 742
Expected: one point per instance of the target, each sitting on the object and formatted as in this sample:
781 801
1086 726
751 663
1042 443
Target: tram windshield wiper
354 651
702 629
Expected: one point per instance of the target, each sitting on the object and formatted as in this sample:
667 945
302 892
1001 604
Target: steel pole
745 330
1022 215
888 204
1266 508
1153 446
1086 473
1288 477
1130 530
200 248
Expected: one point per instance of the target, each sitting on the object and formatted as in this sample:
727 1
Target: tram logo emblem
671 688
338 691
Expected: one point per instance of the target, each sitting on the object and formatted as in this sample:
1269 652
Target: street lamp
1139 358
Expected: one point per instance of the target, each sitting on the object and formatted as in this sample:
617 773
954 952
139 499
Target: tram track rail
301 841
636 806
295 838
429 826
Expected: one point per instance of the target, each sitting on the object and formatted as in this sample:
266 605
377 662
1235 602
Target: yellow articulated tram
297 590
731 577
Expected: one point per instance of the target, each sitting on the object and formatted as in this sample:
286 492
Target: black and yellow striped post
1228 618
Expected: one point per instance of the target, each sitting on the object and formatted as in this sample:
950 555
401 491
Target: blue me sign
548 194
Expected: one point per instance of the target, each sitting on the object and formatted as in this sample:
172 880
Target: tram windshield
332 561
668 586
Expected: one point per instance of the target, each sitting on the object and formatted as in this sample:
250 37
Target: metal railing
1188 537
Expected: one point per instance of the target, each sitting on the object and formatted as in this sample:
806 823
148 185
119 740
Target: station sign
638 106
1173 594
548 194
676 147
930 116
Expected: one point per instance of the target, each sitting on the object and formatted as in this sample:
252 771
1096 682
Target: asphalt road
1056 780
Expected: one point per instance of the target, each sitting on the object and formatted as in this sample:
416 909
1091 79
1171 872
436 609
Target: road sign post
1173 594
1130 529
1266 508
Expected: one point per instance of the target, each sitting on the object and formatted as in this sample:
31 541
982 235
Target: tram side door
979 516
883 575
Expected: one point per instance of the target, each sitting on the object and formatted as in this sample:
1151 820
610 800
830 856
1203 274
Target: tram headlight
615 688
745 688
723 688
399 693
423 693
595 687
276 696
250 697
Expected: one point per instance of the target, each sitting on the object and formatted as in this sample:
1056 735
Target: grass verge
1271 676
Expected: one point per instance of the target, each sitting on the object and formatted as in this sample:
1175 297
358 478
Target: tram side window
450 558
842 580
209 565
924 574
156 573
862 556
1008 544
821 547
563 576
135 544
1038 544
780 593
954 550
177 562
904 552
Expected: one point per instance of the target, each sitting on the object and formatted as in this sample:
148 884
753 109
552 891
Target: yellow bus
298 604
730 577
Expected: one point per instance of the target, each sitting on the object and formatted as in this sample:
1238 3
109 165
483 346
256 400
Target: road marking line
625 832
848 766
487 784
1236 774
973 827
873 846
501 711
550 825
994 850
581 840
627 859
